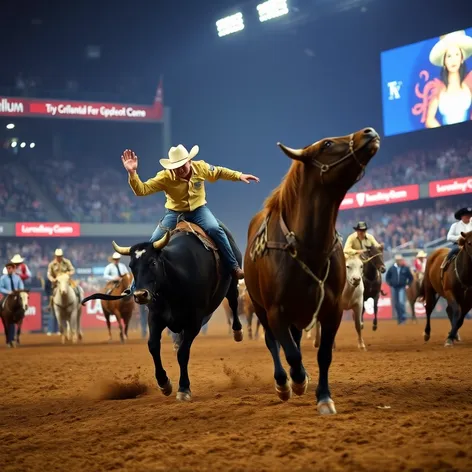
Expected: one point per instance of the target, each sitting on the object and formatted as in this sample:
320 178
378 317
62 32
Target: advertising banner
445 188
384 196
47 230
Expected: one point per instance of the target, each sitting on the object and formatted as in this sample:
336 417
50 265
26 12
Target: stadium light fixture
272 9
10 126
230 24
13 144
22 145
32 145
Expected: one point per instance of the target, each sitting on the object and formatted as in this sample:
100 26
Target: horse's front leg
458 315
232 297
376 309
156 326
120 325
18 331
249 325
357 315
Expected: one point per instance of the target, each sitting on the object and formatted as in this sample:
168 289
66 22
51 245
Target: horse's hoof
301 388
284 391
374 327
458 338
362 347
326 407
167 388
426 337
184 396
238 335
449 343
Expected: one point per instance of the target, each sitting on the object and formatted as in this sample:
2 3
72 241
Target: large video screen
427 84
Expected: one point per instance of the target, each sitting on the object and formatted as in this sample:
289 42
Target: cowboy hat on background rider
464 225
113 272
60 265
183 182
420 262
360 240
10 281
20 267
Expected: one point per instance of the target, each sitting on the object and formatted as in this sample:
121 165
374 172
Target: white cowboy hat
58 252
457 38
116 255
178 156
17 259
421 254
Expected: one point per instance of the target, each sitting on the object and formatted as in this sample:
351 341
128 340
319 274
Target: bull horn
124 251
162 243
296 154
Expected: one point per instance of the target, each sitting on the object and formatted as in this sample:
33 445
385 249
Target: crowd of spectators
98 195
420 166
17 201
416 226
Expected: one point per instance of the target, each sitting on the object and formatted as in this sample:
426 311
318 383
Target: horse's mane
285 194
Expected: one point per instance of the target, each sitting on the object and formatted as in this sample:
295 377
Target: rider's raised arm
214 173
153 185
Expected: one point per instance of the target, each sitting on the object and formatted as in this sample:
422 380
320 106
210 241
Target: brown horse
294 263
413 293
122 309
374 267
12 312
454 284
245 308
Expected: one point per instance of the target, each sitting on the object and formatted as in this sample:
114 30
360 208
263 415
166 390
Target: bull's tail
102 296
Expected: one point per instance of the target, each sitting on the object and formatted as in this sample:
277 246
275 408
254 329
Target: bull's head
144 264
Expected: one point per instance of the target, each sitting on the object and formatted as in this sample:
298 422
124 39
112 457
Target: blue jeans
53 326
204 218
399 300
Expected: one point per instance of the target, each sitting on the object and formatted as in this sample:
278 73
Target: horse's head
465 242
21 298
63 283
338 162
375 256
144 264
354 269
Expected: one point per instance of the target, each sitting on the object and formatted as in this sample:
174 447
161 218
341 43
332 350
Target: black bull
178 279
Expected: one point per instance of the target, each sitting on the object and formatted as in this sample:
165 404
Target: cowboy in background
183 182
399 277
20 268
61 265
420 264
360 240
463 225
10 281
113 272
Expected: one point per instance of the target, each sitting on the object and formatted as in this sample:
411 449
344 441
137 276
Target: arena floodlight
22 145
10 126
32 145
230 24
13 144
272 9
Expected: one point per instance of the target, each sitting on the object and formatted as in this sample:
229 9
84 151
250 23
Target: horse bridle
324 168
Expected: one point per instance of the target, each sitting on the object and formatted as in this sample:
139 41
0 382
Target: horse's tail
421 291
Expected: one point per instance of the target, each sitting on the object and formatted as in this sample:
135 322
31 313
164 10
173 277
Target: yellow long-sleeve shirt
183 195
353 243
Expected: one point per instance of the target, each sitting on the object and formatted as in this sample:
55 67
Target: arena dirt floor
402 406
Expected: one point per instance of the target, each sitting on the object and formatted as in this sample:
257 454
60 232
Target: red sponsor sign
444 188
47 230
33 316
42 108
384 196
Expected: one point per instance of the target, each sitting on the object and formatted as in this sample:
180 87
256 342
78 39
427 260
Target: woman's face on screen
453 59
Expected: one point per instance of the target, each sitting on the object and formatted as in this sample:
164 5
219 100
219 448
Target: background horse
374 267
67 309
413 293
352 297
454 284
245 308
294 263
12 312
122 308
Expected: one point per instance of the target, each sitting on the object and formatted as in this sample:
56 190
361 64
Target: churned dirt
402 406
